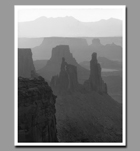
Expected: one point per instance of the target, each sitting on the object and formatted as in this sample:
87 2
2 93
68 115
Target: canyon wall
36 111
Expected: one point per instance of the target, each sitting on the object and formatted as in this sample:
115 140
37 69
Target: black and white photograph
70 75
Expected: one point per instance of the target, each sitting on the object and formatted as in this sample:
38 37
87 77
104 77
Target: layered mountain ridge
78 47
69 27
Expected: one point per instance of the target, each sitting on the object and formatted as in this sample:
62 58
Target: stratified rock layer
36 111
25 62
95 82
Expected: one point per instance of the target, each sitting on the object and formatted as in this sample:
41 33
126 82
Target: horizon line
70 17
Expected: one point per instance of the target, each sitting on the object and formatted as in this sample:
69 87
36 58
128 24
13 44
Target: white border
16 8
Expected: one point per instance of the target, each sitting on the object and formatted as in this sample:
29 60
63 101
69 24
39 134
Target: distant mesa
109 51
79 48
53 65
96 42
44 50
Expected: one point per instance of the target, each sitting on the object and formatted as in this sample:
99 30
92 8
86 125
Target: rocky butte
53 65
36 103
25 62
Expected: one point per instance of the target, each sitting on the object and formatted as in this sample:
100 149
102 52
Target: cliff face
25 63
53 65
67 80
36 111
95 82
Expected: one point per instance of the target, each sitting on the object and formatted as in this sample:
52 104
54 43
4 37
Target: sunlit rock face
25 63
36 111
95 82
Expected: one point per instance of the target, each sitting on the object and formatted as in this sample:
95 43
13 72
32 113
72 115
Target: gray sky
82 13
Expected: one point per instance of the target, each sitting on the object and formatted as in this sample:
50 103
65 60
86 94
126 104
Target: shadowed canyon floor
88 118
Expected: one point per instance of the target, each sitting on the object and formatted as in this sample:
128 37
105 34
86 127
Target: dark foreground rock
36 111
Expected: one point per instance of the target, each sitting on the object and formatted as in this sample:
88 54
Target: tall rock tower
95 82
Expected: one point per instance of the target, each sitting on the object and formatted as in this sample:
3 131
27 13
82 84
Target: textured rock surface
25 62
95 82
52 67
36 111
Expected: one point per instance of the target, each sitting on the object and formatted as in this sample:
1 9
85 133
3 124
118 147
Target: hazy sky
82 13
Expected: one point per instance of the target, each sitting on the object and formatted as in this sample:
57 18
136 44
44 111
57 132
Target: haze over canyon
70 80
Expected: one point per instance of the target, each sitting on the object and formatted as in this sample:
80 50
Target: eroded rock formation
67 80
25 63
95 82
36 111
53 65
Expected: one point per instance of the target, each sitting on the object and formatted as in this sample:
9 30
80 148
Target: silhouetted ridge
95 82
62 51
25 63
53 65
67 79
